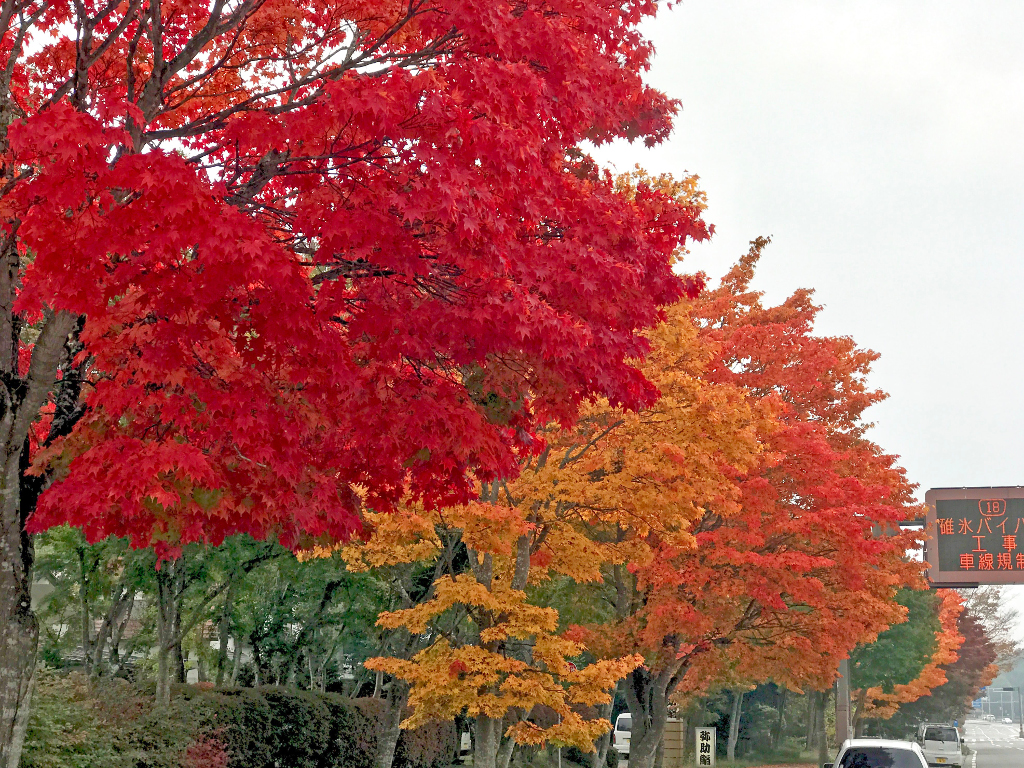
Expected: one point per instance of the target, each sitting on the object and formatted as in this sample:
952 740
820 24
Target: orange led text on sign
987 542
992 507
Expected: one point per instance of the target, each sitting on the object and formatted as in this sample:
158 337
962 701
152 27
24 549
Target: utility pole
843 702
1020 713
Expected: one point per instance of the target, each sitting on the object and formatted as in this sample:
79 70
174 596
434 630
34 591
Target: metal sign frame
990 499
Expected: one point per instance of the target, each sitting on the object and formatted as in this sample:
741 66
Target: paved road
995 745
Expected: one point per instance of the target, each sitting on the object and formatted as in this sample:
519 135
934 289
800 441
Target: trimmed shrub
206 752
244 721
301 727
578 756
65 730
109 725
434 745
354 731
274 727
115 726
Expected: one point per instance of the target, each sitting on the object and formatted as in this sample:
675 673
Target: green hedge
114 725
273 728
578 756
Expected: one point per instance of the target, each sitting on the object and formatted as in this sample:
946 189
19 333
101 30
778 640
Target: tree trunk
125 656
258 662
85 616
20 402
859 722
19 630
647 698
114 656
488 740
603 744
821 727
163 676
164 633
780 721
224 632
19 633
178 657
202 676
734 723
119 602
387 740
308 632
21 727
237 662
492 749
812 725
506 748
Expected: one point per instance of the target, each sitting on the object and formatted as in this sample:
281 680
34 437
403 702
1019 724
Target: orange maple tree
790 573
733 523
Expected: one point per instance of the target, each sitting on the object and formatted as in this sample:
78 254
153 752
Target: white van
620 736
940 744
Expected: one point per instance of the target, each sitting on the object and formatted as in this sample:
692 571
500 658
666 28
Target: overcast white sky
881 145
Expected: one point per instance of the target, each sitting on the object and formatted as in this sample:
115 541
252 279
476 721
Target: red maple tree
267 260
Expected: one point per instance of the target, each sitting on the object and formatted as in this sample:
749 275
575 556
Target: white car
940 744
878 753
1007 721
620 736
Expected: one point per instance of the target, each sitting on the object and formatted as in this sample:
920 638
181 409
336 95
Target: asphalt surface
995 745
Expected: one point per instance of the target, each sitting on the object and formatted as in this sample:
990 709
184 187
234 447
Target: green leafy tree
307 621
974 668
188 589
91 595
898 654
